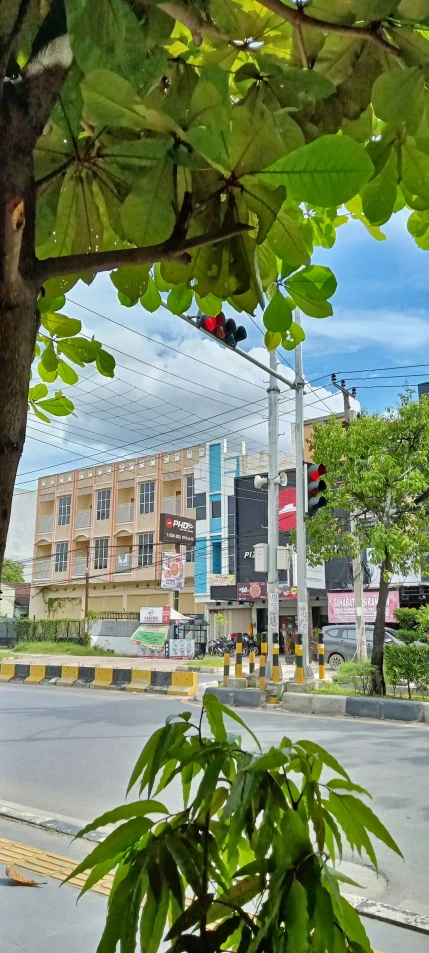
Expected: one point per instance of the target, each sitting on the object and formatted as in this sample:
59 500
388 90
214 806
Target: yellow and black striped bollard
226 660
262 664
299 660
239 656
276 667
251 662
321 653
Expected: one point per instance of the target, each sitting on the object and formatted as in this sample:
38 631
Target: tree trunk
378 683
18 302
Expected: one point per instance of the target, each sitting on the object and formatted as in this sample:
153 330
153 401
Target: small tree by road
12 571
378 469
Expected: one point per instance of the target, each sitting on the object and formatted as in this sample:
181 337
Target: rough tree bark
378 683
25 106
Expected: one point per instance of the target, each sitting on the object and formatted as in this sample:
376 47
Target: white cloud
395 331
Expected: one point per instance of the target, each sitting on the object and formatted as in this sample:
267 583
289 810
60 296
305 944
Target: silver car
340 642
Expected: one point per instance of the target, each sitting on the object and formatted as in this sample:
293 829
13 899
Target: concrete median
183 684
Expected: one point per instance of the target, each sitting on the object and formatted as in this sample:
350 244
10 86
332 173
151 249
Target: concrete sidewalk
47 919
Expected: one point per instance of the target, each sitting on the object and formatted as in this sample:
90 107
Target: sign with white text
341 606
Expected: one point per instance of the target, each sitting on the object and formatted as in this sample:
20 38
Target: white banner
181 648
173 571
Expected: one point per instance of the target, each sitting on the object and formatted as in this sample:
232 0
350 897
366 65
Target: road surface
71 751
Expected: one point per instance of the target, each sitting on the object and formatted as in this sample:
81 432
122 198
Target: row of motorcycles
222 645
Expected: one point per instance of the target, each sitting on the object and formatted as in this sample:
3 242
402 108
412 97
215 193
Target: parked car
340 642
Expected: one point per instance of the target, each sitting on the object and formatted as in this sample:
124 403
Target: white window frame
101 552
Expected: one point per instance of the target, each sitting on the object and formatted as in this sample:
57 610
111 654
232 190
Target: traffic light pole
273 516
301 547
361 646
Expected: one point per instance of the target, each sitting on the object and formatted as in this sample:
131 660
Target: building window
147 497
190 552
200 506
64 506
190 492
103 504
216 556
101 553
216 509
61 557
145 557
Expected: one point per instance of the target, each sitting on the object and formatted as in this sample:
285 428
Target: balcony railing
123 562
83 518
45 524
172 505
43 569
79 567
125 513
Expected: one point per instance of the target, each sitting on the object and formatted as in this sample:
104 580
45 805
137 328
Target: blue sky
166 397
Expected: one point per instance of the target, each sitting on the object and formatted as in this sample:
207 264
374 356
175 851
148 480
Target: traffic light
315 487
223 329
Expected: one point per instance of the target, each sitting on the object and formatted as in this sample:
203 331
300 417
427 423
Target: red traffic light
316 472
223 329
315 487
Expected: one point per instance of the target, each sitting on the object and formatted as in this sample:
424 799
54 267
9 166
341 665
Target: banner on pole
173 571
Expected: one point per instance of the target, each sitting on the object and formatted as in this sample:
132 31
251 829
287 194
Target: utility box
261 557
283 557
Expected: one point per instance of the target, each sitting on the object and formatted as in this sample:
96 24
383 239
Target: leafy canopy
378 469
245 860
265 124
12 571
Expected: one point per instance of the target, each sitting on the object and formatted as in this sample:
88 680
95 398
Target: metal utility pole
361 646
273 514
176 591
301 546
86 609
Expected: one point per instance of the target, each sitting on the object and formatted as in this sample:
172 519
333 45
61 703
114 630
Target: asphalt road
71 751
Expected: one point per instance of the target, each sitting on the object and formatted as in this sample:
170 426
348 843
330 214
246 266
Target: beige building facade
105 519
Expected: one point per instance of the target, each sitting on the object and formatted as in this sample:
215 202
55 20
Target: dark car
340 642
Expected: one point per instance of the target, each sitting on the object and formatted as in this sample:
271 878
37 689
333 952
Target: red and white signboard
155 615
341 606
287 509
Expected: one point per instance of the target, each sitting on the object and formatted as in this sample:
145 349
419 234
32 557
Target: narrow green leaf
114 846
297 919
231 714
153 921
370 820
338 783
354 927
311 747
122 813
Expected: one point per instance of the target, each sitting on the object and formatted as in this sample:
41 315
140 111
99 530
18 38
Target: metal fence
40 630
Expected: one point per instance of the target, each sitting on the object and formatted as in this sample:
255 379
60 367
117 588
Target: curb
59 825
384 709
182 684
395 916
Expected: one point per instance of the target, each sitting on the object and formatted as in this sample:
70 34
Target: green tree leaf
379 195
49 360
398 94
308 295
278 313
287 240
151 299
113 101
105 363
153 921
179 299
272 340
132 281
67 373
60 326
326 172
148 215
293 336
124 812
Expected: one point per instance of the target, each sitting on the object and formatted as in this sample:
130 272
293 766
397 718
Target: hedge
49 630
407 663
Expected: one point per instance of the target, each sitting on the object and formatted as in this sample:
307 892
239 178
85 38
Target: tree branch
106 261
43 78
298 18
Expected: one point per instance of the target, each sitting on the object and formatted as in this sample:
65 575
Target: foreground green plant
358 673
245 863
